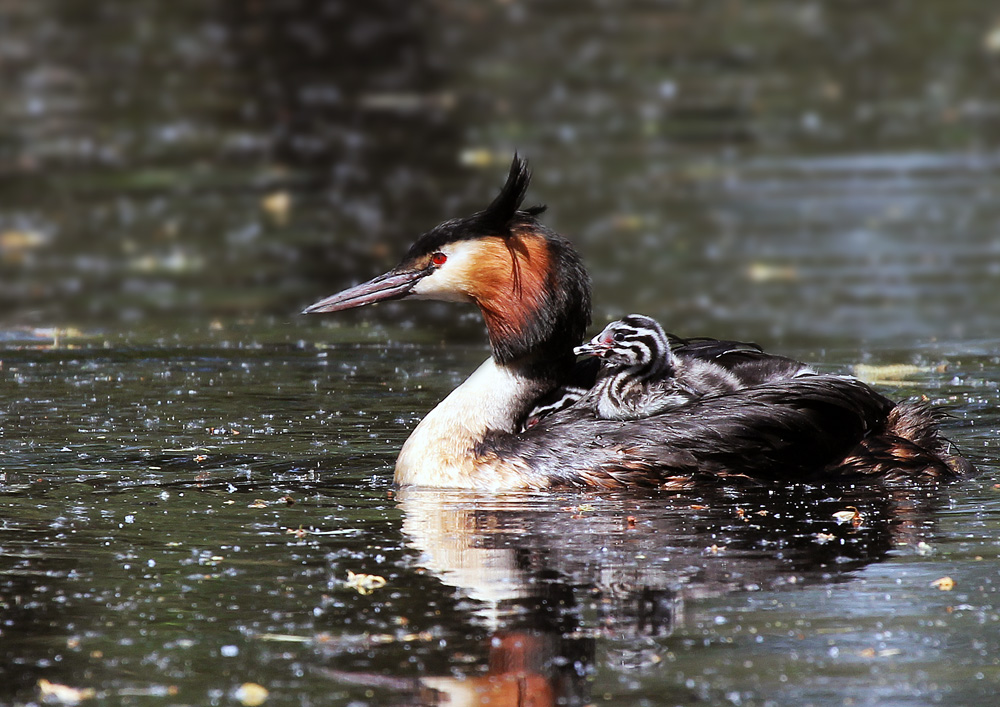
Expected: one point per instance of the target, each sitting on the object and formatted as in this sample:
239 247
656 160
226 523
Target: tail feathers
910 446
916 421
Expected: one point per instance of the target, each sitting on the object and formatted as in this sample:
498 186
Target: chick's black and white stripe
636 356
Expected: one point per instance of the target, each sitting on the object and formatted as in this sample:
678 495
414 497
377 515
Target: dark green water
189 470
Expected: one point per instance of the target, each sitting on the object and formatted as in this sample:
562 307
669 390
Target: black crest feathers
501 212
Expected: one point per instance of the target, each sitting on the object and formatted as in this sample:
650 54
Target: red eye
439 259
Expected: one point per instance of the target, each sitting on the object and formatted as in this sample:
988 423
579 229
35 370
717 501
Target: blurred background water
189 469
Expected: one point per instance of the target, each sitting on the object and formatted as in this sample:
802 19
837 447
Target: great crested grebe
534 295
640 374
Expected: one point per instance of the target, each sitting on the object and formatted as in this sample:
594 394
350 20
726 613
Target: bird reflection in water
554 577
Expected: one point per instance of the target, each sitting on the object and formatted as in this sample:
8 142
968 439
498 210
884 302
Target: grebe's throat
445 448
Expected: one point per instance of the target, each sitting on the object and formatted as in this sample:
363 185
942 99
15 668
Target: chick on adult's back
640 374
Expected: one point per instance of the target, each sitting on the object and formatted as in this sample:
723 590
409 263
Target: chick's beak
394 284
594 347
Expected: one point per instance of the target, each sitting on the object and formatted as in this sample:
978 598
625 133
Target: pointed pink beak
392 285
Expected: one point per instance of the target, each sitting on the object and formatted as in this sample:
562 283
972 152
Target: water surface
190 472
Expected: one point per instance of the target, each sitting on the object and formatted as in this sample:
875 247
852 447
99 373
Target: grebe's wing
747 361
708 348
800 430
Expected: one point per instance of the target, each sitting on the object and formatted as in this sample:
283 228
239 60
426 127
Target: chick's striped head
633 341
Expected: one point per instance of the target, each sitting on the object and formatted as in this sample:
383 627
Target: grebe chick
746 362
533 291
641 375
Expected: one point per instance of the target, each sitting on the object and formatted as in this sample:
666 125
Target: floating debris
151 691
884 653
364 583
852 515
348 641
285 638
742 514
43 337
251 694
301 532
945 584
893 372
52 693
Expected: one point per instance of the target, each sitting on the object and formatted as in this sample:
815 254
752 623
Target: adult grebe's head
528 281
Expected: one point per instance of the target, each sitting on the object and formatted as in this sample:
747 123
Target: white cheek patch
449 283
428 288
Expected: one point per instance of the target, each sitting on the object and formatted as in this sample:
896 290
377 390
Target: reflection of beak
392 285
592 348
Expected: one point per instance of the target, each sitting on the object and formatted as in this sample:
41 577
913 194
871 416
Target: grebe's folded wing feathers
708 348
747 361
786 431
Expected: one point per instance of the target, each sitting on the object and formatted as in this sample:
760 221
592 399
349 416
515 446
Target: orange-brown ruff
534 294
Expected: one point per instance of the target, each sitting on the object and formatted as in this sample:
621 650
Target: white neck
441 451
